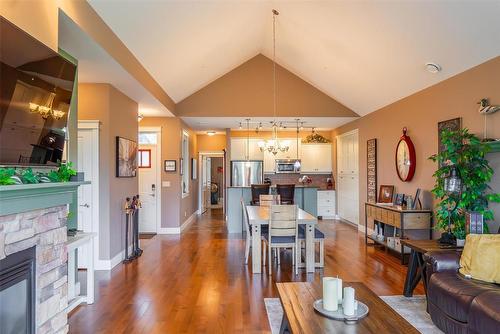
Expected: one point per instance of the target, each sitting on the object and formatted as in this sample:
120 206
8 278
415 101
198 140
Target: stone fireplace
33 236
44 231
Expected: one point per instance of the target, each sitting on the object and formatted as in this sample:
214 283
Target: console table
399 218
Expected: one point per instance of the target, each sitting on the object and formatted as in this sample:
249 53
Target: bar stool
287 193
257 190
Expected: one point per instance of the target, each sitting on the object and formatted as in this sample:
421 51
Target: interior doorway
149 167
212 185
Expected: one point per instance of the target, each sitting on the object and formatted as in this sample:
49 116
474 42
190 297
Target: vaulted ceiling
364 54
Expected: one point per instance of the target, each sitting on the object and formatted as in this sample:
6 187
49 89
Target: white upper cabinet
239 149
347 154
316 158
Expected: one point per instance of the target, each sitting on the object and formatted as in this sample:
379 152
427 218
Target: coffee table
299 315
416 264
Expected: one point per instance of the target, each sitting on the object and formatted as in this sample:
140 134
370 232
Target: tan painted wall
248 91
420 112
175 209
211 143
118 116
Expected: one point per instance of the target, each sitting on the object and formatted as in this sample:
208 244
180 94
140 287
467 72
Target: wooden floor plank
198 283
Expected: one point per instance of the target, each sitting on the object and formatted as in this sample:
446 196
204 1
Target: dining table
259 215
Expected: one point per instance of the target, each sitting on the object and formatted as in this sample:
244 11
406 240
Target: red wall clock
405 158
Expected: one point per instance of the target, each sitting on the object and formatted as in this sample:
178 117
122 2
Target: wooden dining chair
268 200
248 233
282 231
286 192
319 238
257 190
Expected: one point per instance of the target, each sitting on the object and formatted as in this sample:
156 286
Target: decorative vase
460 242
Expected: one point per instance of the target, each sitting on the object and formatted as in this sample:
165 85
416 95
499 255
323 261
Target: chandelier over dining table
274 145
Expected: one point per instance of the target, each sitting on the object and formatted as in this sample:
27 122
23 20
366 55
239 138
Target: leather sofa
458 304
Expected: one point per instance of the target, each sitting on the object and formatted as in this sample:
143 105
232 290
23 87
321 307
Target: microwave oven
290 166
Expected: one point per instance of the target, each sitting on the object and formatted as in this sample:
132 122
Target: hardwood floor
198 283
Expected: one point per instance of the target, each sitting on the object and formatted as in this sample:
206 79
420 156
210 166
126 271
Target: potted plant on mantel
12 176
463 155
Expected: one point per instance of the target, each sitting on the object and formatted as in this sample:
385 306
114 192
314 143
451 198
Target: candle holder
359 313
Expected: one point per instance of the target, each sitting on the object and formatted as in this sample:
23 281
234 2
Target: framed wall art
194 170
371 170
170 165
126 157
450 124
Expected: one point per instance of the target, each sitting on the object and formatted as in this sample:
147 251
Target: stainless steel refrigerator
246 172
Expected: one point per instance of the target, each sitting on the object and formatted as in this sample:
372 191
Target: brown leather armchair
458 304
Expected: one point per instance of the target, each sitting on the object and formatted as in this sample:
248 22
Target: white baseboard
110 264
188 221
169 230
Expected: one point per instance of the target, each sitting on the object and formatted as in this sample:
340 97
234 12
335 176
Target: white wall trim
169 230
88 124
355 131
211 154
188 221
94 127
110 264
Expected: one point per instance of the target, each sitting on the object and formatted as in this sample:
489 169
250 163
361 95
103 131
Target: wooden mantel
27 197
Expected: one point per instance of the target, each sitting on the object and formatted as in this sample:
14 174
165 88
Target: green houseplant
464 152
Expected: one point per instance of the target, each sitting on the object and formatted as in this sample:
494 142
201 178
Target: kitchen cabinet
326 204
347 180
270 159
347 154
316 158
239 149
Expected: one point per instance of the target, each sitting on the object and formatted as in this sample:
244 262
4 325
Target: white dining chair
319 238
248 230
283 231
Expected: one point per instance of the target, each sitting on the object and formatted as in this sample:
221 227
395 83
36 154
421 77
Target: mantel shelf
27 197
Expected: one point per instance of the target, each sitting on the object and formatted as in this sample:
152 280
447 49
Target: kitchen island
305 198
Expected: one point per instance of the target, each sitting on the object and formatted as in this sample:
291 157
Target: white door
148 188
85 205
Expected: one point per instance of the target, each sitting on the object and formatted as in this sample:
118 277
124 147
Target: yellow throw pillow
481 257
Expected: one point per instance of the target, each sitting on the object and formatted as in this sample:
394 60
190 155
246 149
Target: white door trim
211 154
94 126
348 133
157 130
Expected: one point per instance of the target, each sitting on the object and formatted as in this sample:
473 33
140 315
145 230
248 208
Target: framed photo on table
385 194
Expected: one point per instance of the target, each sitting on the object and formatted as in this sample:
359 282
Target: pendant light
274 145
297 162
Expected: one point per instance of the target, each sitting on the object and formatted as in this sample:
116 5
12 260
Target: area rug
412 309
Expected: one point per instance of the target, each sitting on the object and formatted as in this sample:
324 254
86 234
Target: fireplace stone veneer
45 229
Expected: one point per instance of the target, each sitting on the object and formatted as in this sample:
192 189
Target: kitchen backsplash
318 180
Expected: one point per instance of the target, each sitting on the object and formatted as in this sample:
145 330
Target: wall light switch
165 184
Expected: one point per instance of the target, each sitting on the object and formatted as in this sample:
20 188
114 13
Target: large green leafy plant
466 153
11 176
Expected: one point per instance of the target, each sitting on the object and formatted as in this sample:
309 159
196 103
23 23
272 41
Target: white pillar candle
339 290
330 299
348 304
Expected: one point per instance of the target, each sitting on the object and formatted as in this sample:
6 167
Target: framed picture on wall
451 125
194 170
170 165
126 157
371 170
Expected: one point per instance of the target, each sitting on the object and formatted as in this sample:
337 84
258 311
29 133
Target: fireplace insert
17 292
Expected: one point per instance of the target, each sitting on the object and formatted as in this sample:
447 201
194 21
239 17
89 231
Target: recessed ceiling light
432 67
211 133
